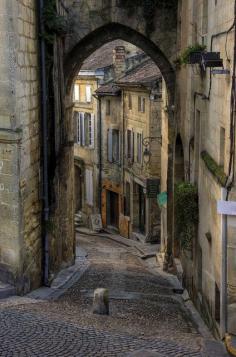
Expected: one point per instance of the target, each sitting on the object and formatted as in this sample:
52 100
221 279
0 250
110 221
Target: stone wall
20 233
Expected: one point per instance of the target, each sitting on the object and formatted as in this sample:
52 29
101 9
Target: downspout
44 143
99 153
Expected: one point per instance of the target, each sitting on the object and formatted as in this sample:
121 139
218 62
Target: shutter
82 133
76 92
92 127
119 148
132 145
91 187
109 152
141 148
88 93
75 126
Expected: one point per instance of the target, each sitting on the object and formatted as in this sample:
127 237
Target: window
113 145
76 93
139 148
88 94
222 146
141 104
108 107
127 199
85 129
89 186
204 17
217 303
130 101
130 145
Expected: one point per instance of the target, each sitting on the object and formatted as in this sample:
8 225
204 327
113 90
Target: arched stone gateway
151 26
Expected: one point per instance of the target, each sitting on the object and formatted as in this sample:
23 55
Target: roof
103 57
143 74
108 89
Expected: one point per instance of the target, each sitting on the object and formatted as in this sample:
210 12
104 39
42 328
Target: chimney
119 55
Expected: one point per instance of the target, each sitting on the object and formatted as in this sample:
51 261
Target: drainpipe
99 153
45 144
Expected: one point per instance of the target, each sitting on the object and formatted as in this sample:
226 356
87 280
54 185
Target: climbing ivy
216 170
186 213
54 23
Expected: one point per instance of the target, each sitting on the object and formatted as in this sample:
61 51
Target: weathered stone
101 301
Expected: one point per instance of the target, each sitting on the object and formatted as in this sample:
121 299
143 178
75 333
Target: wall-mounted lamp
146 142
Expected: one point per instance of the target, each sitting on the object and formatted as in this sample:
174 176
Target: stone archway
88 35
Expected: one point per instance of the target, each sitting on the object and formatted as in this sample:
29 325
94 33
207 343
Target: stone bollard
101 301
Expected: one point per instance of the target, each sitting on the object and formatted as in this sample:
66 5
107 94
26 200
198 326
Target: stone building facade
131 121
20 194
203 151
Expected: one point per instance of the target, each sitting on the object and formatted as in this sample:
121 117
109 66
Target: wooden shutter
92 126
109 145
82 133
75 125
132 145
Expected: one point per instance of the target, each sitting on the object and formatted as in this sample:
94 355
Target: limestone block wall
20 233
205 120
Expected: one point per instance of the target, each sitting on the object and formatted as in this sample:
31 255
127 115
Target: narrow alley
145 314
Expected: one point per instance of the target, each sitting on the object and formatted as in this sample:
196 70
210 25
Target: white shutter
109 145
76 92
88 94
92 126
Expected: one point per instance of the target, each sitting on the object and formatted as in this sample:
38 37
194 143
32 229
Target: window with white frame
141 104
85 129
88 93
113 145
139 147
76 93
89 186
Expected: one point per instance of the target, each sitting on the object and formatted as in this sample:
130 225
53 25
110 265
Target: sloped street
145 314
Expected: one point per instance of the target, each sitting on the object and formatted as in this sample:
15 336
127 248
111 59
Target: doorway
113 209
142 210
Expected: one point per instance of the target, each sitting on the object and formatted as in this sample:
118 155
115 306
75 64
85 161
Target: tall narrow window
76 93
113 145
141 104
139 148
217 303
108 107
88 93
130 101
89 186
127 199
130 145
222 146
204 17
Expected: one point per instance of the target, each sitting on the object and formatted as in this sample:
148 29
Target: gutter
44 143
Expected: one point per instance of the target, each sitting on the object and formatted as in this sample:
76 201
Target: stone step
6 290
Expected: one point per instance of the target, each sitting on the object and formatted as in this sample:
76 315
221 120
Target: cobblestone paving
144 313
24 334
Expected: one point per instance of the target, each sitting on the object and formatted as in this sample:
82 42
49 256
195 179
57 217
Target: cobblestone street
145 314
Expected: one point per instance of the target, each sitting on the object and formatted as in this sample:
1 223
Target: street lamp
146 142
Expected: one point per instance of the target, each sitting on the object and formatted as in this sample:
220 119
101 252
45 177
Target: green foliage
54 24
186 213
184 56
216 170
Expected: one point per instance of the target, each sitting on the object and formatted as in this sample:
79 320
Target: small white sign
226 207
